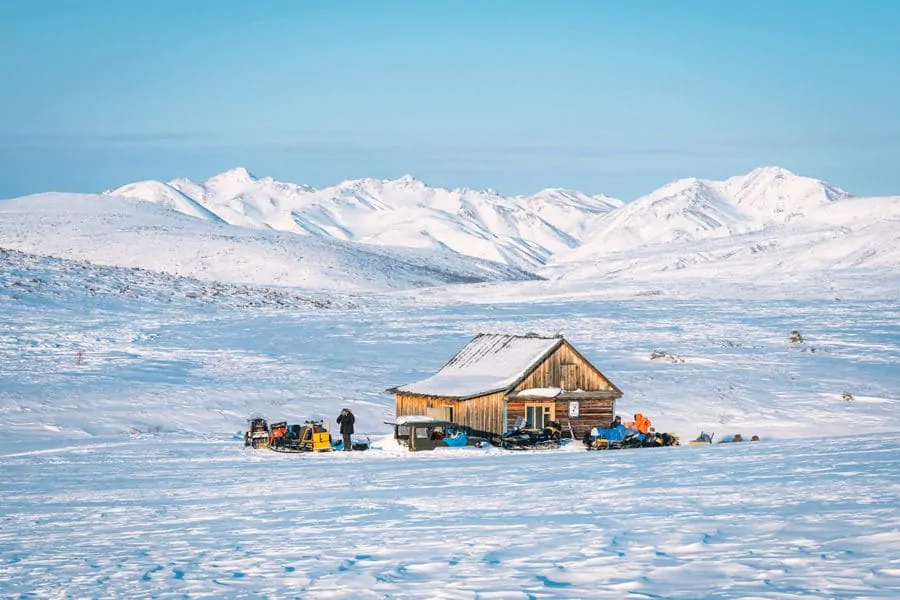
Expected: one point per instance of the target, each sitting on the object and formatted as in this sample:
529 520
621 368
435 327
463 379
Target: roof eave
588 395
567 395
397 390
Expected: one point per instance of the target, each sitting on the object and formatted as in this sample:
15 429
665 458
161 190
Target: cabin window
537 415
441 413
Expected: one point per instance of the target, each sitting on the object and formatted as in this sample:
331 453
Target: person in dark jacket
346 420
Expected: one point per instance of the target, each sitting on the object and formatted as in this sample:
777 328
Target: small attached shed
496 378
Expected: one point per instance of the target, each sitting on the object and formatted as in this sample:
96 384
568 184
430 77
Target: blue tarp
613 434
460 439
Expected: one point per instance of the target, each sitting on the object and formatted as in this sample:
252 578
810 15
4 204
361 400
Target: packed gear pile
311 436
639 433
424 433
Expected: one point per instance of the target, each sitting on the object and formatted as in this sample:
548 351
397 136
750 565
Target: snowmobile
523 438
704 439
257 434
608 438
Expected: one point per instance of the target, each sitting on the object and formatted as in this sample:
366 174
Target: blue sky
604 96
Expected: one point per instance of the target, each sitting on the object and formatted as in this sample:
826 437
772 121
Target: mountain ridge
523 231
765 221
530 232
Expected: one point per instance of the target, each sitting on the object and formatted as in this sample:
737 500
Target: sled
704 439
312 436
523 437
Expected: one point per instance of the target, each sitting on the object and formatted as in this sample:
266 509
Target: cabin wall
482 415
592 412
567 370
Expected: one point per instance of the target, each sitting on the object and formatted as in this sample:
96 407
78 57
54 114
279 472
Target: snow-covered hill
694 209
522 231
43 281
856 234
775 196
124 232
767 224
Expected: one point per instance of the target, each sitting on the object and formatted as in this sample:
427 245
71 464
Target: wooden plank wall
483 415
597 412
565 369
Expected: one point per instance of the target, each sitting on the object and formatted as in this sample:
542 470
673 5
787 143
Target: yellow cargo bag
321 441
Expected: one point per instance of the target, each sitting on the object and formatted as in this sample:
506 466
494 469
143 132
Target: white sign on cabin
573 409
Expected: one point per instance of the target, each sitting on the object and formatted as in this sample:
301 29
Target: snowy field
169 355
123 474
170 515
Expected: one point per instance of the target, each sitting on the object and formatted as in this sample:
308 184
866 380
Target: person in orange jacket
642 423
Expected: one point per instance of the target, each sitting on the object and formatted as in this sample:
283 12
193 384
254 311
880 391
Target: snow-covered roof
406 419
489 363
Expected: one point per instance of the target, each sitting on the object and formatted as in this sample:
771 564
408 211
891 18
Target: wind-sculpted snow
31 279
166 516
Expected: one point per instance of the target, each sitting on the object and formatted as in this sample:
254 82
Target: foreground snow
124 393
172 516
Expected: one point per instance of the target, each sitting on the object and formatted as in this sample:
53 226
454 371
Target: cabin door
537 415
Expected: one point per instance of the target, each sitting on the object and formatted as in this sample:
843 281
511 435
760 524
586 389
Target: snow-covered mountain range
389 234
523 231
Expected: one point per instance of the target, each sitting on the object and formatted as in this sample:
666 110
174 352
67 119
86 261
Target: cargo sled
312 436
356 444
618 437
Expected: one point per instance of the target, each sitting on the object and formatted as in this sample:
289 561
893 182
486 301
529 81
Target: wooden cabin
496 378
